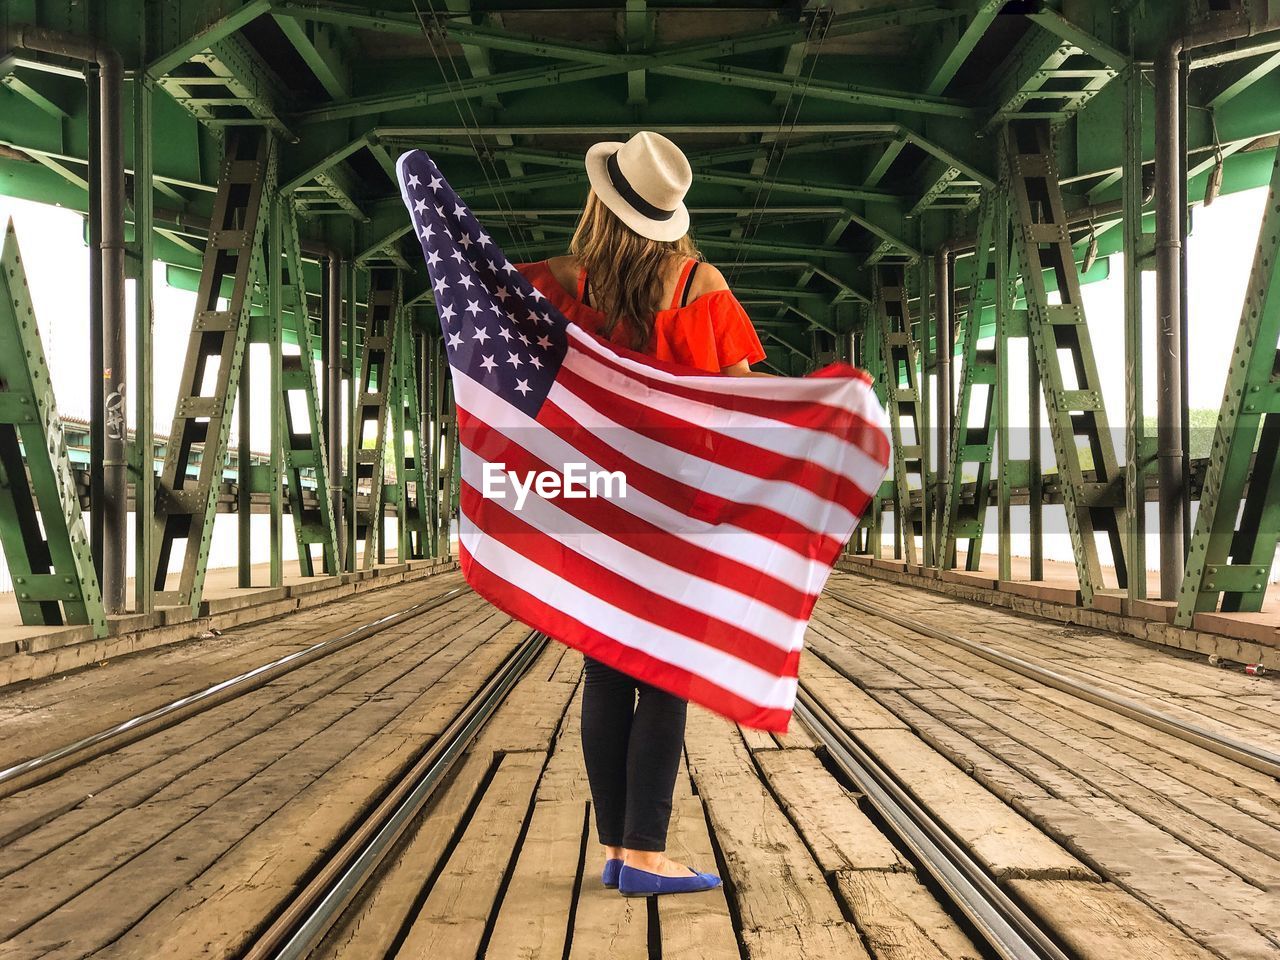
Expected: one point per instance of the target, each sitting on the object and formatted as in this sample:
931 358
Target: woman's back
706 279
705 328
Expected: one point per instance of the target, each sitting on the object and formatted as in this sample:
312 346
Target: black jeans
632 737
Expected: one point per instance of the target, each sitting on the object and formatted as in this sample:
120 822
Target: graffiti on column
115 414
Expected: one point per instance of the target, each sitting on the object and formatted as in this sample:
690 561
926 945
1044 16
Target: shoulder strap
688 285
681 295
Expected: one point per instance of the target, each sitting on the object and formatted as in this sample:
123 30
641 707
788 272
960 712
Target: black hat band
629 194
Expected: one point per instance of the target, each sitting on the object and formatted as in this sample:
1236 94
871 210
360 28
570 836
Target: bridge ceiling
824 136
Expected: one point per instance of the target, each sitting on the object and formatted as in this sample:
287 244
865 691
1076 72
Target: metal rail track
49 765
1011 933
302 924
1249 754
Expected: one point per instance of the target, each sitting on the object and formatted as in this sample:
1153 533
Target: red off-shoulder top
709 333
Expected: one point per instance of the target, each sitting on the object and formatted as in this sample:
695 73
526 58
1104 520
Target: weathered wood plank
608 926
805 941
854 708
900 919
999 838
839 834
1209 903
775 882
1099 921
372 928
452 921
1201 821
243 859
565 778
532 922
697 925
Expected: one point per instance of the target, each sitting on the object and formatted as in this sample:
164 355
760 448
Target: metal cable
483 157
781 142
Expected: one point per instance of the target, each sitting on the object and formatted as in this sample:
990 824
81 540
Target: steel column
115 464
144 477
1004 294
1170 170
944 331
972 443
1136 252
97 498
303 430
354 330
333 397
275 320
925 428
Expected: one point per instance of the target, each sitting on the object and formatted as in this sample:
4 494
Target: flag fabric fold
675 525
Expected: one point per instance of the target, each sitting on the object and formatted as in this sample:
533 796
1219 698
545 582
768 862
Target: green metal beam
978 18
29 88
1240 78
1238 523
199 36
42 529
591 63
845 93
318 48
1064 29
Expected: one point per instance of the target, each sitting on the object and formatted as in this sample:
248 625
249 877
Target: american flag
698 573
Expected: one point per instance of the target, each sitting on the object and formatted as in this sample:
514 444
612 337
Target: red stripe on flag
523 606
725 451
688 500
840 422
639 534
495 521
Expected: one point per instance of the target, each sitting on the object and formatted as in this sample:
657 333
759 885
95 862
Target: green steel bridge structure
920 186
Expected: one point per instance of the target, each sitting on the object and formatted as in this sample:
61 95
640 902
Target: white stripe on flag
776 559
800 443
783 497
647 572
760 687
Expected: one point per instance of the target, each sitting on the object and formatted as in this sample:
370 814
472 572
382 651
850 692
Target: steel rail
48 765
304 921
1011 933
1249 754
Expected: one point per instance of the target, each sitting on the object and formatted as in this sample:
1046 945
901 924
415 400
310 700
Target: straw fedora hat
643 181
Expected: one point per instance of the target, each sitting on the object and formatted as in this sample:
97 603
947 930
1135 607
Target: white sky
1221 254
57 265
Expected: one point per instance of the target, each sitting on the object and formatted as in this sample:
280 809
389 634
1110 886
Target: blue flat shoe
642 883
610 876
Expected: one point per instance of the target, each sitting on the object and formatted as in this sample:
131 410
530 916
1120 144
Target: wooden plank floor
1123 841
1190 836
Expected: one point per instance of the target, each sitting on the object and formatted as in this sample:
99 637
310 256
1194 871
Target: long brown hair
626 270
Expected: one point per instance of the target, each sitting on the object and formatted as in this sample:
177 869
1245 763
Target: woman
634 277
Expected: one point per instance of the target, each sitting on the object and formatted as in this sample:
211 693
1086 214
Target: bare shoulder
708 279
565 270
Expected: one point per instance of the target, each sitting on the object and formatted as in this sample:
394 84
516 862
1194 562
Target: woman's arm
743 369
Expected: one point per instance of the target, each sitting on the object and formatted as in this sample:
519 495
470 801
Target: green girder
42 529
